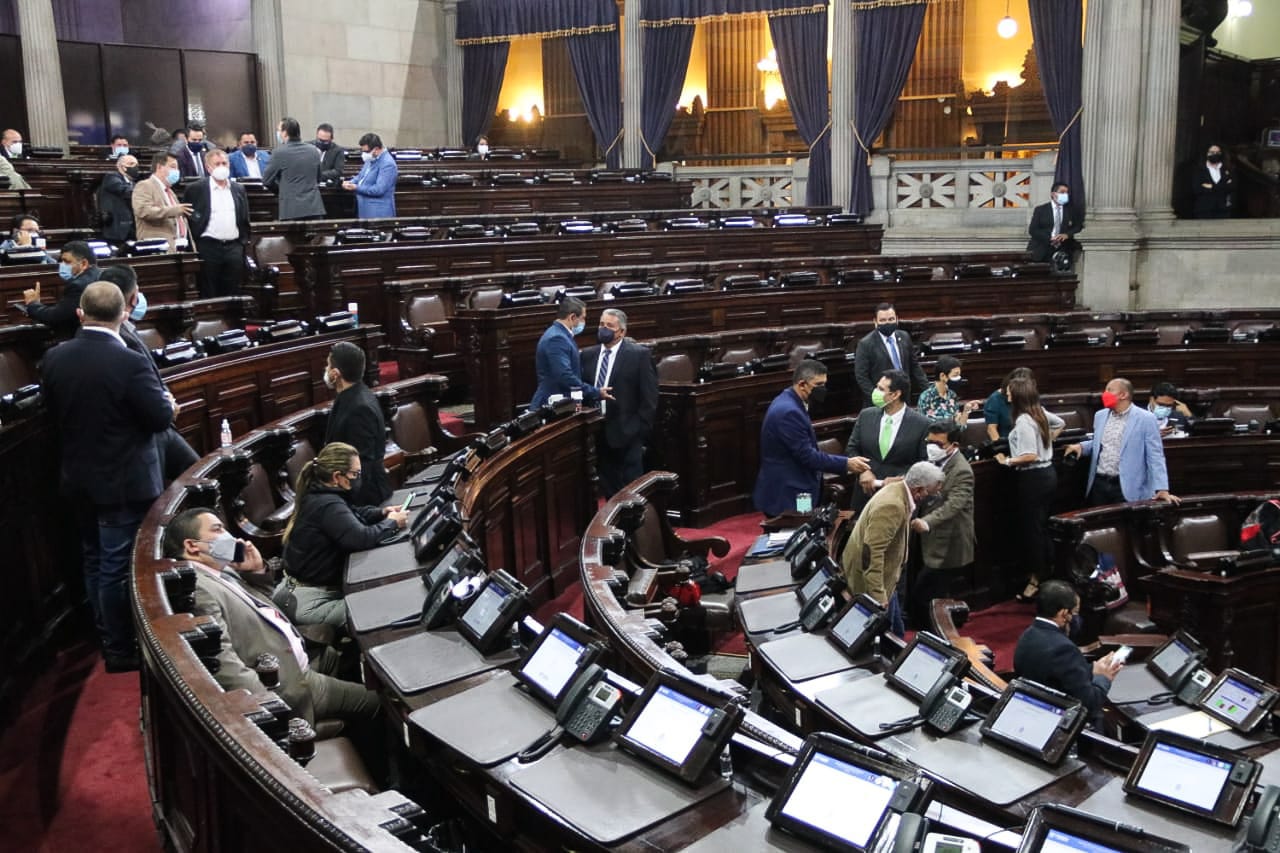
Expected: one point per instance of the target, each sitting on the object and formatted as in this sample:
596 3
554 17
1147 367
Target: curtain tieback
1075 118
614 143
858 138
825 129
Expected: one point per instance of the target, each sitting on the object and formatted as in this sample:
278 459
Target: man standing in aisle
626 368
886 347
220 223
1126 453
558 361
375 183
294 174
156 212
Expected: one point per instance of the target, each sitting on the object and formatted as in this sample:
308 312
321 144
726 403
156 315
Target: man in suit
77 270
25 234
108 406
252 626
294 174
375 183
157 214
945 526
886 348
119 146
176 454
790 461
191 162
888 436
1126 454
332 155
1053 227
115 199
247 161
11 149
877 548
1045 652
558 362
626 368
1214 187
356 419
220 223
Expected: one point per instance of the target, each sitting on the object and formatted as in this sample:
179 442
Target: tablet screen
1233 700
554 663
1183 776
921 669
840 799
1028 720
670 724
813 585
852 624
1058 841
1172 657
485 609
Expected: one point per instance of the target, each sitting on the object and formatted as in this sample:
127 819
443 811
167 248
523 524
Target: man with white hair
877 548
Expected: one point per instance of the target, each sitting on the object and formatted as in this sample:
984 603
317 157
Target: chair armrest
716 545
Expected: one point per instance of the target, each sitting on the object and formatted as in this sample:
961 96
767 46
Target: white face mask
15 149
220 173
329 381
366 156
482 149
936 453
223 547
1063 198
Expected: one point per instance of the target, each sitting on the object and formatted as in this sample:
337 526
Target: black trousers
618 466
1035 488
221 267
1106 490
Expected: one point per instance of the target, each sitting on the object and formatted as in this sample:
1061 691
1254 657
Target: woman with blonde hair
323 530
1031 457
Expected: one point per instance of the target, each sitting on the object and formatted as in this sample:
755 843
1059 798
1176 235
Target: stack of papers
770 544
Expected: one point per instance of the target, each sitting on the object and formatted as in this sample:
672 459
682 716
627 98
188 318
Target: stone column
632 83
1159 115
42 74
842 144
453 77
269 46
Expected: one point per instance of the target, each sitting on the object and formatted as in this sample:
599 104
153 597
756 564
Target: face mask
329 381
1215 158
65 272
220 173
818 395
877 398
195 147
887 329
15 149
1162 412
482 150
322 145
140 310
366 156
1108 400
223 547
956 383
580 328
1073 627
249 149
936 453
133 173
1063 198
173 177
605 335
120 150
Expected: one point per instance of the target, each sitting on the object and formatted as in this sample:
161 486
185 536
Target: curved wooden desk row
164 278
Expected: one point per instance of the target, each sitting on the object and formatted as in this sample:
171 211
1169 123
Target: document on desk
768 544
1196 724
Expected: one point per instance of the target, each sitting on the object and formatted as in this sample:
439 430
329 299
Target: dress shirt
1057 220
612 349
179 222
252 167
222 213
1112 440
895 423
103 330
1215 171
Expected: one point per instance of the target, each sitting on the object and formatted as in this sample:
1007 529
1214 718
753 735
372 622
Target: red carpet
999 628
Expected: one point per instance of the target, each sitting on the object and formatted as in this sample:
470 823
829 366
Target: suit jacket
559 366
331 163
61 316
246 634
1142 468
108 405
197 195
356 418
1213 202
154 217
628 420
877 548
871 359
790 461
376 187
187 161
16 181
907 448
1041 229
949 542
1047 655
294 176
115 200
239 164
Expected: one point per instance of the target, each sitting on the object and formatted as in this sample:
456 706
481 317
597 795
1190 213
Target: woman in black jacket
323 530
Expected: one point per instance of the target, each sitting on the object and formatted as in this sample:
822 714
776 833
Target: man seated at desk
1045 652
252 626
77 269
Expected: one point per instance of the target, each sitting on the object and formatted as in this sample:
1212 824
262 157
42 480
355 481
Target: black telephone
1264 829
1196 683
912 829
944 706
437 606
589 705
821 609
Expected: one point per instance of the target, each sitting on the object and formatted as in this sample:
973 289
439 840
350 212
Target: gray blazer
294 175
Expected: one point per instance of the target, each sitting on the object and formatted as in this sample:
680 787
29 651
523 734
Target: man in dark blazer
888 437
1045 652
77 269
790 461
946 527
115 199
108 406
1214 186
294 174
356 419
191 154
332 155
886 348
620 363
1054 225
220 224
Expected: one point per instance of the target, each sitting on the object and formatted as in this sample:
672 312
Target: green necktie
886 435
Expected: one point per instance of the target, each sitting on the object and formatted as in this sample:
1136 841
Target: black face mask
817 395
887 329
1215 159
323 146
605 335
957 384
134 174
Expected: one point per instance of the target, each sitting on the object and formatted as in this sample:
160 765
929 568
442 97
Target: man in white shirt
220 224
626 368
247 161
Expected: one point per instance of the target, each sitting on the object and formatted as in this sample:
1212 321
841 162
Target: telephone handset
819 610
589 705
1197 682
944 706
1264 828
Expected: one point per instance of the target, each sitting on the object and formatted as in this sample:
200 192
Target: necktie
892 341
1057 220
603 373
886 435
182 220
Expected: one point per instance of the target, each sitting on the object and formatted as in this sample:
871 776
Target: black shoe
124 663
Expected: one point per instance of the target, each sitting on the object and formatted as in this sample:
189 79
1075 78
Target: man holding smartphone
356 419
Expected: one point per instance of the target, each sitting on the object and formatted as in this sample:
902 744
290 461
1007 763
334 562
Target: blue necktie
892 340
603 373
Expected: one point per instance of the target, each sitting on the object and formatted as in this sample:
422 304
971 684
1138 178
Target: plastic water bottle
804 503
354 308
226 433
726 764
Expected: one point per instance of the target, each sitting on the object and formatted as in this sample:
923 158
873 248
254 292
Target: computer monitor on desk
1193 776
1059 829
925 659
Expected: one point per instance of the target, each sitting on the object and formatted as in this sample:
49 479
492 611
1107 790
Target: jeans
106 542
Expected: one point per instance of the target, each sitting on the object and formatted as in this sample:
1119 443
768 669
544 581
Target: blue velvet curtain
886 39
491 20
1056 27
596 58
666 59
688 11
801 42
482 68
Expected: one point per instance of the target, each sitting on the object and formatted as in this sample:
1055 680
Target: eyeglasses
351 475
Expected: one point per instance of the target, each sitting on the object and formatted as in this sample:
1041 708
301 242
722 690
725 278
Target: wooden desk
164 278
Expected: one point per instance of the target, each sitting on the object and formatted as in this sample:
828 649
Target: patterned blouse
935 407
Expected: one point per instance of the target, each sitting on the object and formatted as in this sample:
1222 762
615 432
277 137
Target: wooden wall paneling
734 111
918 120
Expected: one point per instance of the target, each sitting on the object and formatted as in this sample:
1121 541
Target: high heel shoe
1029 592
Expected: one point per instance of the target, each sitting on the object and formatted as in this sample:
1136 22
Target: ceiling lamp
1008 27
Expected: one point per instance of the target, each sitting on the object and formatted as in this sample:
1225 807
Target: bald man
10 148
115 199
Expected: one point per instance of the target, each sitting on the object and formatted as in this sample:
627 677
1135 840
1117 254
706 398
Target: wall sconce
1008 27
768 65
1240 9
773 91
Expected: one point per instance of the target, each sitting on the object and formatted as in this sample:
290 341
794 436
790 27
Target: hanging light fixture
1008 27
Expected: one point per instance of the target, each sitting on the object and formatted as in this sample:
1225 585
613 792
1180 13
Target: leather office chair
1132 618
676 367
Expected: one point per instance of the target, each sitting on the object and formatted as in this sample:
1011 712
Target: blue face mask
65 272
605 335
173 177
1162 412
1063 198
120 150
140 310
580 328
248 149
